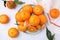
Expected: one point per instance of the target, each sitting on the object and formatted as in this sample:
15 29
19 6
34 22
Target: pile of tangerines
29 18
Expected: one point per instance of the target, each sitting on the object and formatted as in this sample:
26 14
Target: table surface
23 36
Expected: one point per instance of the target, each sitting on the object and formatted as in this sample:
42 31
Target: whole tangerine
54 13
34 20
13 32
4 19
11 4
38 9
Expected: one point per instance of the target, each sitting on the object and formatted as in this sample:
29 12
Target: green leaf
17 23
53 36
18 2
5 3
48 33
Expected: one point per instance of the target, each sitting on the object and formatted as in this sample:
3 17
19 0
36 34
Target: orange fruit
18 17
21 23
38 9
54 13
10 4
34 20
25 15
22 16
26 23
4 19
13 32
43 19
31 29
27 8
39 27
22 28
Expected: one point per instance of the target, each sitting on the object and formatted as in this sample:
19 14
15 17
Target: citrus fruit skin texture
11 4
4 19
18 17
26 23
25 15
39 27
38 9
54 13
22 16
27 8
34 20
31 29
21 23
43 19
22 28
13 32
